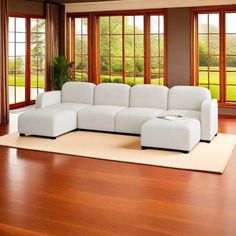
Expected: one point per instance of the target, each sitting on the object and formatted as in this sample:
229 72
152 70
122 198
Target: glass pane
11 24
34 25
105 79
154 24
203 77
230 63
20 64
104 45
78 44
154 45
11 64
139 79
139 65
20 87
11 90
129 24
231 44
116 24
11 49
84 26
104 64
214 44
78 26
130 80
116 64
214 23
214 77
139 25
20 25
129 64
215 91
154 65
161 29
116 78
129 45
203 44
231 78
84 44
11 37
139 46
104 25
161 45
20 49
230 22
41 25
231 93
155 79
202 23
116 45
214 62
84 62
21 37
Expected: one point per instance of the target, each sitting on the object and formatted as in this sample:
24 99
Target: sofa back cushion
147 95
112 94
187 97
78 92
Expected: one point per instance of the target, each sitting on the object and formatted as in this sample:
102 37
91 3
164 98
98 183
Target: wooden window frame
222 10
28 18
94 45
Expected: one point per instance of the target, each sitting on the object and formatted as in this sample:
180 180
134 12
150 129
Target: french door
26 59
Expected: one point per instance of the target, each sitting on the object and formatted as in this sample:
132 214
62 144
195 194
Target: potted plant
62 72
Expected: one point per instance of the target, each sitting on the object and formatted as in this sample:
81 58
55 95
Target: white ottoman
182 134
48 122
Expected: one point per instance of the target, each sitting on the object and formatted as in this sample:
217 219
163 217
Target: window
124 48
214 53
17 59
81 49
26 59
37 75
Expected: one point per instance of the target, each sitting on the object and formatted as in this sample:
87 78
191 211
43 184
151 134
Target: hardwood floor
52 194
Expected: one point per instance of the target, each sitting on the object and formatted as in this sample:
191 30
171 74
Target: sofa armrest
209 119
47 99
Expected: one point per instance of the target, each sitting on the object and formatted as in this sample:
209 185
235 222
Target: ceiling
163 3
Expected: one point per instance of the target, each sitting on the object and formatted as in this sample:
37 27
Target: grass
20 80
203 79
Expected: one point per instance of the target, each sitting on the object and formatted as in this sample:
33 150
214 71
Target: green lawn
20 80
203 79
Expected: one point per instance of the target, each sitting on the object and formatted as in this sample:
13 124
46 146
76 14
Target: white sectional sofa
114 107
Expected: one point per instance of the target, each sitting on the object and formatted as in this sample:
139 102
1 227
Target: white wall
141 4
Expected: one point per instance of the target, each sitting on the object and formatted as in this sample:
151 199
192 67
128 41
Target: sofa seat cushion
70 106
48 122
184 113
130 120
99 117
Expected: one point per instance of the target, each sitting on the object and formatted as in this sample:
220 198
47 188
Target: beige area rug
211 157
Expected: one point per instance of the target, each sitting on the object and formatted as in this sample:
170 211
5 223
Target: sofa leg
22 135
53 138
208 141
185 152
144 148
216 134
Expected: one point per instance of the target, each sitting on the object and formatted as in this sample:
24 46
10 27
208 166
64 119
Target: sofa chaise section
146 102
109 99
47 122
56 111
195 102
